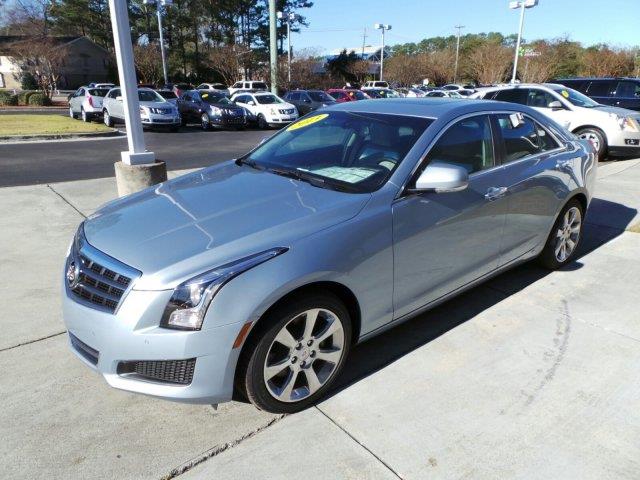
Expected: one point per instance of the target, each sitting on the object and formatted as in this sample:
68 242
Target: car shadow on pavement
382 350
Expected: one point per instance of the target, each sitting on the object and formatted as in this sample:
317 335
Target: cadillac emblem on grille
73 275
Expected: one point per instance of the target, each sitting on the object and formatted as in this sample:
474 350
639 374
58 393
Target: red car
347 94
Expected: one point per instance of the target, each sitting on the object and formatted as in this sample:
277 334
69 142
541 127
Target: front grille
232 112
286 111
89 354
179 372
99 285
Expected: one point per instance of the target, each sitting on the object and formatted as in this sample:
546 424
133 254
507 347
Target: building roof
7 40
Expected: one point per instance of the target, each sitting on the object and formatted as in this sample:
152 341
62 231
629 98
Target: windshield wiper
249 163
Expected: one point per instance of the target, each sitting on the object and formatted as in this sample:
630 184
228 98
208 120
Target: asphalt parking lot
532 375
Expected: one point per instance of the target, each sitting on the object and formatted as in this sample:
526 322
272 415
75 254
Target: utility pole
364 40
159 5
383 27
522 5
273 46
455 75
138 168
288 17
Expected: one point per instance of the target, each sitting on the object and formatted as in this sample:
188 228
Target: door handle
493 193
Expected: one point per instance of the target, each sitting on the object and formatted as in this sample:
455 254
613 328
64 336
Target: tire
565 231
262 122
108 121
183 122
71 114
597 138
85 116
205 122
306 365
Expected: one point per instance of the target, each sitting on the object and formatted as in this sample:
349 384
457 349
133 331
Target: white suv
611 130
376 84
247 85
268 109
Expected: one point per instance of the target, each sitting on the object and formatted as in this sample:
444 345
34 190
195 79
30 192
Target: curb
61 136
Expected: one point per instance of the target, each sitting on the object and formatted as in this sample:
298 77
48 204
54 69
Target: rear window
167 94
98 92
320 97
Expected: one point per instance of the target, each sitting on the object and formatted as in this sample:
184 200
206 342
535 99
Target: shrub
39 100
7 99
28 82
23 97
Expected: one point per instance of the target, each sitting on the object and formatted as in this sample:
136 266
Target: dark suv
309 100
619 92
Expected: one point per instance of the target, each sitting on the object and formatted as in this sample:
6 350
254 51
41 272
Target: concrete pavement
532 375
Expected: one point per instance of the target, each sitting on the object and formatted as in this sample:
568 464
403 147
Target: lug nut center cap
304 354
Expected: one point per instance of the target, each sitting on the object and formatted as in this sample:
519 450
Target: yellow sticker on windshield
565 94
307 121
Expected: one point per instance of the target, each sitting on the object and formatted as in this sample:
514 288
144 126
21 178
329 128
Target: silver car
256 276
155 111
86 103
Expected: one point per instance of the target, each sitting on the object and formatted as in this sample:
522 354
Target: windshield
260 86
149 96
359 95
578 99
167 94
214 98
268 99
346 151
98 92
320 97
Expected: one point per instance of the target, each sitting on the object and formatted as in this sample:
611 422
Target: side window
600 88
294 96
187 97
514 95
545 140
628 89
468 144
519 135
539 98
237 85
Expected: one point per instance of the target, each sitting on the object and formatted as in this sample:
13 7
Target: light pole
160 4
138 168
273 47
455 74
288 18
522 5
383 27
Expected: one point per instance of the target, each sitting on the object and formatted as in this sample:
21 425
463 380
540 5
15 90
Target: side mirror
442 178
251 102
555 105
119 98
70 96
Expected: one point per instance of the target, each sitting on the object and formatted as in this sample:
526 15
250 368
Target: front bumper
157 120
280 120
624 151
229 121
132 334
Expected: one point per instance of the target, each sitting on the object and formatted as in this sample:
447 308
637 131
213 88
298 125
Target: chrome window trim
402 192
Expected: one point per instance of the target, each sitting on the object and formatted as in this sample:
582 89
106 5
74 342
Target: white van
248 86
376 84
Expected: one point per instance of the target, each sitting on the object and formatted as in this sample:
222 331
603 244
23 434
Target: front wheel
205 122
597 139
564 238
290 364
85 116
262 122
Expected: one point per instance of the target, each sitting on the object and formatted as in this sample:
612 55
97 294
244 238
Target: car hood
156 104
623 112
196 222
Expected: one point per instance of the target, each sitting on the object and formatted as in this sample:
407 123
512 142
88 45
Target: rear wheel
290 364
597 139
85 116
108 121
564 238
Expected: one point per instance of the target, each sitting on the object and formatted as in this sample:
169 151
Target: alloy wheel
204 120
71 114
592 137
304 355
568 234
85 117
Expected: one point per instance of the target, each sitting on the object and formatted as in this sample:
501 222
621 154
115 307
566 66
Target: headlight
188 304
144 111
216 111
628 123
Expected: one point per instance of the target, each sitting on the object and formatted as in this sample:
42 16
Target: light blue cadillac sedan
255 277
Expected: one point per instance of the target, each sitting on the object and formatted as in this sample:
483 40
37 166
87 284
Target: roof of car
423 107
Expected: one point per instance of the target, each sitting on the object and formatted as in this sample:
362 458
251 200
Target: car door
627 94
116 109
541 100
77 99
443 241
537 172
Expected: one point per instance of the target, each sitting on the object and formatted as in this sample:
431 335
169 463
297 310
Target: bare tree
148 63
489 63
229 61
440 65
602 61
359 70
43 58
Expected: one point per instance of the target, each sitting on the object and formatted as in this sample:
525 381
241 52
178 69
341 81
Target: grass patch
45 125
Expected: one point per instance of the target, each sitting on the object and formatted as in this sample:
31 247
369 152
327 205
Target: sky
340 23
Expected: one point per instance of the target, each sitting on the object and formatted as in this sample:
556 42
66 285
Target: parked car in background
212 86
212 109
381 92
410 92
169 95
155 111
342 95
248 86
86 103
256 276
443 93
619 92
611 130
108 86
375 84
308 100
180 88
268 109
